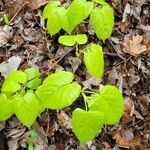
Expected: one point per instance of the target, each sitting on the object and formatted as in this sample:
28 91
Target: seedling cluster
25 95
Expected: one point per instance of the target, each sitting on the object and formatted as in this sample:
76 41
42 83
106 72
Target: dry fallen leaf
11 65
64 120
126 139
31 35
35 4
134 45
128 111
5 34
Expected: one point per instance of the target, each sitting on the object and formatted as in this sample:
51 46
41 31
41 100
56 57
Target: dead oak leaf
64 120
134 45
126 139
35 4
128 111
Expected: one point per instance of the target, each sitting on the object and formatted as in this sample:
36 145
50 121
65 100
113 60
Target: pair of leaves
59 17
104 108
15 79
26 107
94 60
58 90
71 40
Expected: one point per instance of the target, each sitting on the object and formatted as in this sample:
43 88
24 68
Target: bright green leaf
6 20
50 7
33 80
58 90
13 81
81 38
86 124
94 60
56 16
6 109
102 20
110 102
71 40
77 12
17 76
67 40
27 108
53 24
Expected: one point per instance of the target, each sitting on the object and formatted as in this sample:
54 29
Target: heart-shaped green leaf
27 108
77 12
56 20
58 90
6 109
33 80
71 40
94 60
86 124
110 102
102 20
13 81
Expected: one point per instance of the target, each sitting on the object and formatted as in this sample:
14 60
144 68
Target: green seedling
25 95
32 140
6 20
66 18
56 92
59 17
105 107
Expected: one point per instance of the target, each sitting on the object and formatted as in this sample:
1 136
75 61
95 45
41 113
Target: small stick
13 17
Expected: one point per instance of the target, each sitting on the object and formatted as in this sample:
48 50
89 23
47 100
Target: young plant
23 94
105 107
102 108
67 19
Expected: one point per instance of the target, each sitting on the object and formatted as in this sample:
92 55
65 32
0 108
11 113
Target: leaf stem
77 50
85 101
89 92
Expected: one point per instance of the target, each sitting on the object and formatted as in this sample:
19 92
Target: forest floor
25 43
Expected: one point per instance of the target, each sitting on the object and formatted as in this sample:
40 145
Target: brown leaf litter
134 46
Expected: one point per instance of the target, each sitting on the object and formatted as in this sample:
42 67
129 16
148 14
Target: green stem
77 51
32 140
85 101
89 92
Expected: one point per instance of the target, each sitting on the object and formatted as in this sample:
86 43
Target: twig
117 50
40 131
13 17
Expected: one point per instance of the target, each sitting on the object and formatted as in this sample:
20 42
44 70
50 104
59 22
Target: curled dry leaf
134 45
64 120
35 4
31 35
128 111
126 139
5 34
11 65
